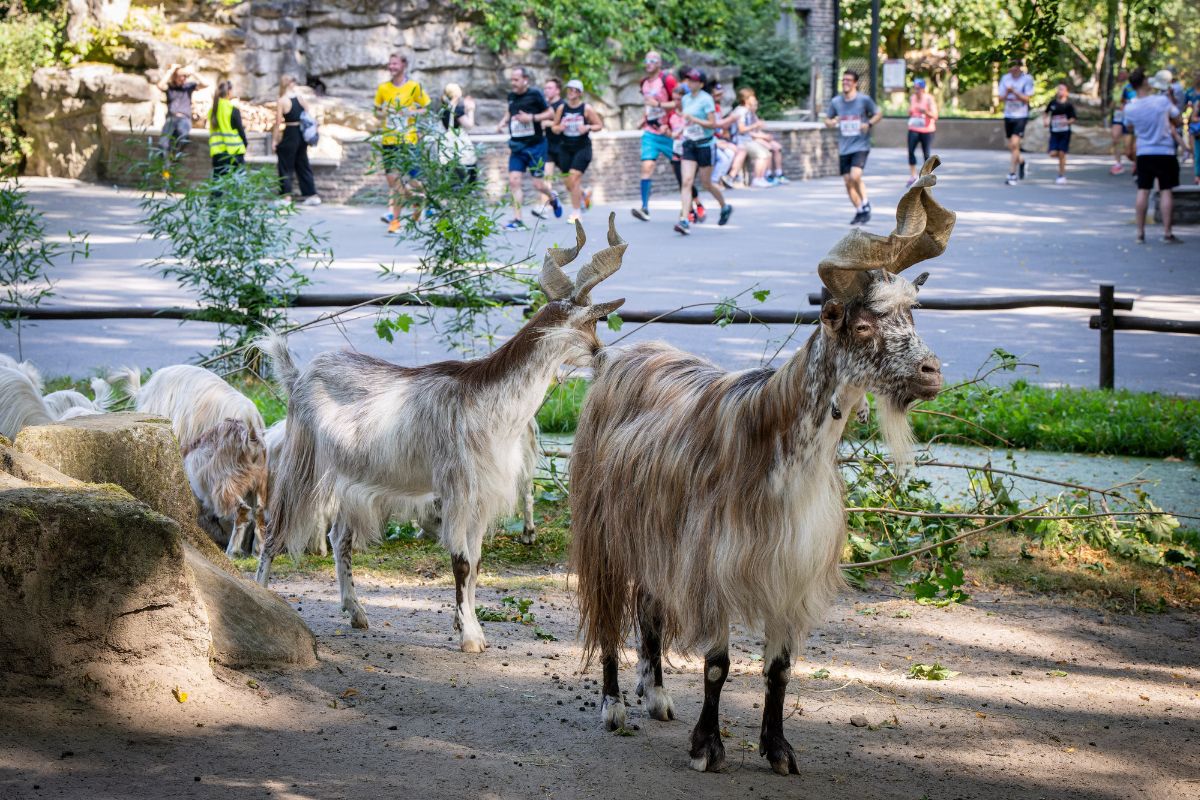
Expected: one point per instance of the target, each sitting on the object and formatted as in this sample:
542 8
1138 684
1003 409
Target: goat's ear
833 315
602 310
919 281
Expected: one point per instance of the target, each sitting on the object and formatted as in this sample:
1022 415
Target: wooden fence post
1106 336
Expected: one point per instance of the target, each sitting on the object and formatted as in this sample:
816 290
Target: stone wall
810 151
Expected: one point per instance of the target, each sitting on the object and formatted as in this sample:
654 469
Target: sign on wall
894 70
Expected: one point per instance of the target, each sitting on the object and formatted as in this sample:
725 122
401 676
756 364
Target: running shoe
557 206
539 213
692 217
1116 169
761 183
782 180
311 200
386 219
1171 238
726 183
572 219
1011 180
587 199
1021 170
516 225
641 213
1060 180
726 211
866 215
701 214
858 219
683 227
393 228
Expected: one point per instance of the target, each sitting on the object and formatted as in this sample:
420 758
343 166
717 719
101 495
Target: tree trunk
1111 20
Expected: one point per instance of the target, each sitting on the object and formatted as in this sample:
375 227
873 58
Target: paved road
1036 237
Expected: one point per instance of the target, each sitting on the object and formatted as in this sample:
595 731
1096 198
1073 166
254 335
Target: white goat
21 402
68 403
701 497
273 439
26 367
365 436
198 402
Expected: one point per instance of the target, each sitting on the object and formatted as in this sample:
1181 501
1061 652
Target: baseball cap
694 74
1161 80
920 82
575 83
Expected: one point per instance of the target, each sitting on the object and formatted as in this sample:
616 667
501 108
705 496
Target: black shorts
849 160
574 156
397 159
1014 126
1164 169
700 152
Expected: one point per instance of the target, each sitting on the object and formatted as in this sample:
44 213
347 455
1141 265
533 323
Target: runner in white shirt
1016 88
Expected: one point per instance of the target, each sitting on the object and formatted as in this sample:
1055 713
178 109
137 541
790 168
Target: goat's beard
897 433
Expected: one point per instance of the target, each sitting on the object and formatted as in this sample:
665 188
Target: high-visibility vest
222 138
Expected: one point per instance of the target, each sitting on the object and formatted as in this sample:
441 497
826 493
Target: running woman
699 114
853 114
1016 87
398 103
1121 146
922 122
552 89
657 90
1059 117
527 108
575 120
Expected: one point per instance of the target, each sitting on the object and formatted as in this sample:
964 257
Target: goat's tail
292 505
283 367
130 377
104 397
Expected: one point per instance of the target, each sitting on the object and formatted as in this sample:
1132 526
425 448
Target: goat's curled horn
922 230
601 265
553 280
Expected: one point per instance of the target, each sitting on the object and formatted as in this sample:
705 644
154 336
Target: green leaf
931 672
761 295
821 674
1057 673
614 321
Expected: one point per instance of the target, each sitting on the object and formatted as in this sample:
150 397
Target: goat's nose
931 366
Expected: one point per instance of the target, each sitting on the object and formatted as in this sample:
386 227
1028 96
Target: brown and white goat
200 403
701 497
365 436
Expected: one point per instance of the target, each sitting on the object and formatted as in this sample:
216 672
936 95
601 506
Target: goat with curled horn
365 436
701 497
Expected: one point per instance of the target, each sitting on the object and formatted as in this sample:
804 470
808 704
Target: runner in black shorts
574 121
552 88
699 112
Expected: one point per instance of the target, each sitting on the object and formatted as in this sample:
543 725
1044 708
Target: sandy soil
398 711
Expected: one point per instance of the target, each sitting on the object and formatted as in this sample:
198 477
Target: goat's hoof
659 705
358 619
708 751
473 645
612 711
528 536
779 753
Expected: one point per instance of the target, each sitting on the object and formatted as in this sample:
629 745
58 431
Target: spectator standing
291 151
1016 88
699 113
575 121
179 84
853 114
398 102
1191 97
1059 117
658 89
458 117
527 109
922 122
1151 118
226 136
1120 133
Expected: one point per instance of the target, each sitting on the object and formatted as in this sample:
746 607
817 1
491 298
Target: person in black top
179 84
574 121
458 116
291 150
527 108
1059 116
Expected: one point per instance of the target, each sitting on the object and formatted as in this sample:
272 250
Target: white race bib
694 132
1118 117
1059 124
850 126
1015 109
677 147
573 125
518 129
916 121
654 113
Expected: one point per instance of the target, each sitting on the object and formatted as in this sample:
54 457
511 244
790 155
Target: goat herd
699 497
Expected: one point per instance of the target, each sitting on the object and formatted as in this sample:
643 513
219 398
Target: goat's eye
862 327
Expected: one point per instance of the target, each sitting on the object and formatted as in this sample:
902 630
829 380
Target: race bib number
655 113
850 126
694 132
518 129
677 147
573 125
1118 117
1015 109
917 121
1059 124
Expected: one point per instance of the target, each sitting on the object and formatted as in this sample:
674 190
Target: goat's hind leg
466 574
343 549
771 742
650 682
612 708
708 752
529 531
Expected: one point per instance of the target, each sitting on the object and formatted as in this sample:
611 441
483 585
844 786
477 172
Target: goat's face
573 325
877 343
228 463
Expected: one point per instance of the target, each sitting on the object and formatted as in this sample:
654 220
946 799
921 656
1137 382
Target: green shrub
27 41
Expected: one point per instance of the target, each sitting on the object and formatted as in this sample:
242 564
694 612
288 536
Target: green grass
271 402
560 412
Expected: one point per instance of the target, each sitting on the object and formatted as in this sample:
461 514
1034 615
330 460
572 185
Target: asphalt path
1034 238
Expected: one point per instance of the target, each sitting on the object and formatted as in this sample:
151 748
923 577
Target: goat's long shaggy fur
195 400
25 367
21 403
226 465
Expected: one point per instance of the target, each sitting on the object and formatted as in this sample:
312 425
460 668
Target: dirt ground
1050 702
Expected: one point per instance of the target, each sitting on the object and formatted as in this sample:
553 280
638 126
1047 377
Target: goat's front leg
771 742
612 708
708 752
650 682
529 532
343 549
466 573
238 535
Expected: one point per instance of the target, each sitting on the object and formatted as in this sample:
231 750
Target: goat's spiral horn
553 280
601 265
922 230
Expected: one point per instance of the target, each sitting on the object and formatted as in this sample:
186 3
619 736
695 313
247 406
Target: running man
657 90
1151 116
527 109
1016 87
1059 117
699 112
1120 133
575 120
398 103
853 114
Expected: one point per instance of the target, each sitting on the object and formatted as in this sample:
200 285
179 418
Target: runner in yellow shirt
398 102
